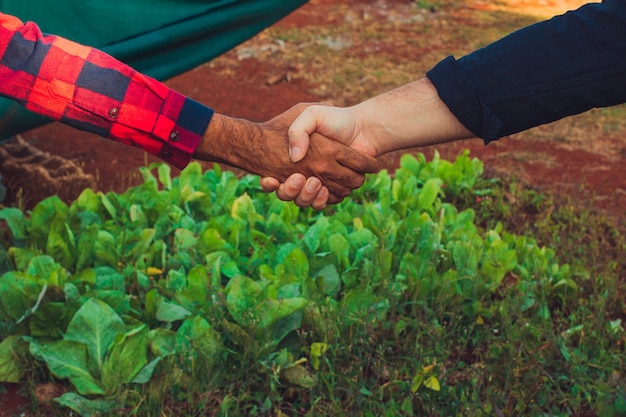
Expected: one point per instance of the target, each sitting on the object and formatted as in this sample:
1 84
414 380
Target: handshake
316 154
292 154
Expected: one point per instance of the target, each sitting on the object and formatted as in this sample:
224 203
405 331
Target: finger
269 184
357 161
339 179
309 192
299 132
302 127
321 200
342 186
293 185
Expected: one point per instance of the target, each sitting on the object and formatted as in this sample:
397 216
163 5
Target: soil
250 82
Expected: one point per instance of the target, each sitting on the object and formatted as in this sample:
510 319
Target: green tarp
161 38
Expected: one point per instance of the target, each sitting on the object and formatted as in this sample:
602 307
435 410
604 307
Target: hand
406 117
338 123
262 149
304 192
341 124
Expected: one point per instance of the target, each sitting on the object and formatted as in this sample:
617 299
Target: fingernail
313 184
297 182
295 154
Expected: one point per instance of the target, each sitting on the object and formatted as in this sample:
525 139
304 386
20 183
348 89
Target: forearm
539 74
229 140
412 115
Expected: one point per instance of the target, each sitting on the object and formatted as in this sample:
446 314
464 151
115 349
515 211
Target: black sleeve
544 72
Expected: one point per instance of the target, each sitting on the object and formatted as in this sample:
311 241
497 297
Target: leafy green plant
207 292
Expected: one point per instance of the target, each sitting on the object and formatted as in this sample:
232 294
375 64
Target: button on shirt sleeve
88 89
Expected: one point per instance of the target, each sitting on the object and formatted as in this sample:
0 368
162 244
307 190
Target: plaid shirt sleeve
88 89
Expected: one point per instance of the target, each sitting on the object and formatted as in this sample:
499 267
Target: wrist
409 116
226 141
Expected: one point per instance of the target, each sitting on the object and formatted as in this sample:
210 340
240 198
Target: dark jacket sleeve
544 72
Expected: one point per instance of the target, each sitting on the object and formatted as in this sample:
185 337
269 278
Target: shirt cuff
180 140
460 94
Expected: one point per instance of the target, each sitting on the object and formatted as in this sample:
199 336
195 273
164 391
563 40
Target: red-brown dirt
585 162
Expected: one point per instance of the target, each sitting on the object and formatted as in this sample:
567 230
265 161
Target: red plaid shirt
88 89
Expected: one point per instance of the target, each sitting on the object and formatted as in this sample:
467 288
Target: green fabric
160 38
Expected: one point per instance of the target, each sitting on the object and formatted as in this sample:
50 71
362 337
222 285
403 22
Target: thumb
299 131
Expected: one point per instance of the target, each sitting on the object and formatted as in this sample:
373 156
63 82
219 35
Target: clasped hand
315 122
325 172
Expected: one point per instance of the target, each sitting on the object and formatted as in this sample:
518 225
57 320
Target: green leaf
85 276
68 359
170 312
16 221
241 299
296 263
363 237
87 201
42 217
313 236
117 300
108 278
176 280
10 369
417 382
340 247
137 214
162 342
18 294
145 374
95 325
283 327
243 208
260 242
127 356
410 163
51 320
328 280
317 350
43 266
266 313
497 261
432 383
165 177
22 256
429 193
61 243
197 343
104 250
108 205
141 243
184 239
211 241
197 289
297 375
88 408
467 255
